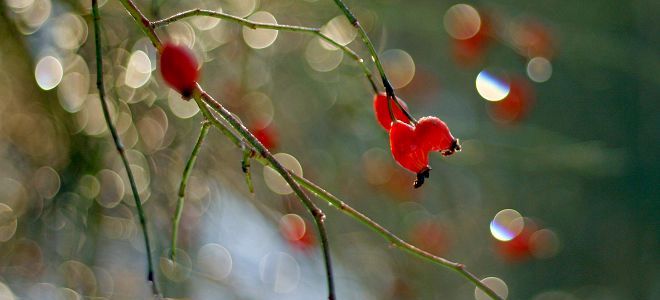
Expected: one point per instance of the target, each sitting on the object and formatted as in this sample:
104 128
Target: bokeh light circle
497 285
340 30
544 243
462 21
181 108
539 69
292 226
111 188
8 222
260 38
47 182
320 58
48 72
399 67
69 31
240 8
206 22
72 91
138 70
274 181
214 261
176 270
279 271
506 225
491 86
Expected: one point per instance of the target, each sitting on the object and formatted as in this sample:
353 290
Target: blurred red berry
383 113
179 68
429 236
515 106
533 39
468 52
520 247
296 232
266 135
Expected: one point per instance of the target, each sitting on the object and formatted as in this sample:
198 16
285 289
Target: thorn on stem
318 214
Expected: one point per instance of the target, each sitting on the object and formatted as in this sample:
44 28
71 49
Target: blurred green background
569 155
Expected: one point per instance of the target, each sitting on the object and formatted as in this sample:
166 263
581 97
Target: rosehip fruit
410 145
179 68
383 113
434 135
408 151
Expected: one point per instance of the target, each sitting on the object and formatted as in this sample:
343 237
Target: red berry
410 145
383 113
407 148
179 68
434 135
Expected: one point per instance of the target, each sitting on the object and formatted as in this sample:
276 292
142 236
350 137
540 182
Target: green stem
319 216
120 146
355 214
259 25
204 107
245 166
144 23
390 237
389 90
182 187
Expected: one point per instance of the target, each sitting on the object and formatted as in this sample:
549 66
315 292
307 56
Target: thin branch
319 216
120 146
355 214
260 25
204 101
390 237
182 187
144 23
245 166
389 90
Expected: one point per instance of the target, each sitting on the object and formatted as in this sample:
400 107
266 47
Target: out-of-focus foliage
554 195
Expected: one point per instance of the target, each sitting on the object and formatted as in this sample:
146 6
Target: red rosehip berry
434 135
411 144
383 113
408 151
179 68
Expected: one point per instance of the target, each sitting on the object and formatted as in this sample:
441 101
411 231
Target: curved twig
182 187
120 146
260 25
